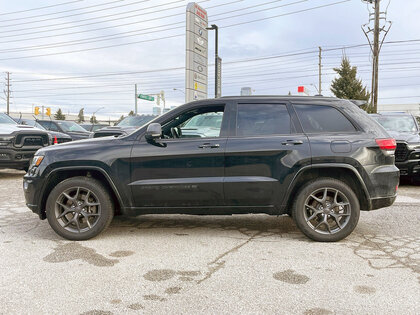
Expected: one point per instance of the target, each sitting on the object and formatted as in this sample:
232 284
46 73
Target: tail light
388 144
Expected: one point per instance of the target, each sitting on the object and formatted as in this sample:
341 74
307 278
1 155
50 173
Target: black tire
314 218
85 219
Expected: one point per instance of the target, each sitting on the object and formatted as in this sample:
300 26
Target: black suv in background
19 143
57 137
68 127
320 159
404 128
124 127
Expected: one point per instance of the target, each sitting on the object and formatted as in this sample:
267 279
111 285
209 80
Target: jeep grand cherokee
319 159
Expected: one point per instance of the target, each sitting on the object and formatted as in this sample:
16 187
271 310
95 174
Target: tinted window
262 119
316 118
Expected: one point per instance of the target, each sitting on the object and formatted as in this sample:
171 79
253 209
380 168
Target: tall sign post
196 67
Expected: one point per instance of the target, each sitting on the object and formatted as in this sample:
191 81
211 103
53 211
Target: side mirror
154 131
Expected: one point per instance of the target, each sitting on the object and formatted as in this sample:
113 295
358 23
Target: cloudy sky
71 54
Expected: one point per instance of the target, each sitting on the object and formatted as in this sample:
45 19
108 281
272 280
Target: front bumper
17 159
410 168
32 188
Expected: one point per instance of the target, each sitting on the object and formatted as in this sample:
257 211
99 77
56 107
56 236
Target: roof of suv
282 97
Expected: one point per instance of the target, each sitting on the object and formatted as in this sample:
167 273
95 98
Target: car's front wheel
79 208
326 210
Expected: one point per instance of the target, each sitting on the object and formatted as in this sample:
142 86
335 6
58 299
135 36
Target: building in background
246 91
409 108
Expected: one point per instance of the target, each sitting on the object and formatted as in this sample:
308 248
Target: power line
71 15
40 8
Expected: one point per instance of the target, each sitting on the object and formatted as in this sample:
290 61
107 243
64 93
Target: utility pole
375 57
135 98
320 71
376 45
8 91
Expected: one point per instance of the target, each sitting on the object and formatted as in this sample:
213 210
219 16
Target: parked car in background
124 127
201 126
55 135
68 127
405 129
320 159
19 143
93 127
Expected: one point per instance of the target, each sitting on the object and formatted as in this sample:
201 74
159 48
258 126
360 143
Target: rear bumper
378 203
384 181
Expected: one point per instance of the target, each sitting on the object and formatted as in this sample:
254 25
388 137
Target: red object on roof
301 89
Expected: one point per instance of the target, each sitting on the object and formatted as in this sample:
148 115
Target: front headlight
36 161
6 138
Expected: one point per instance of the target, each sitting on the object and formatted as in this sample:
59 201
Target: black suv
319 159
124 127
404 128
68 127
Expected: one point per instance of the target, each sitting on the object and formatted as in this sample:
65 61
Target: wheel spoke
337 220
66 212
77 193
69 222
68 196
312 217
91 204
316 198
77 222
318 225
327 224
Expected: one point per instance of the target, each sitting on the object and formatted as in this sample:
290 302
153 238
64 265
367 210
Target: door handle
209 145
292 142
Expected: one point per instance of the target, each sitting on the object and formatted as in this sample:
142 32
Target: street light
216 56
175 89
93 115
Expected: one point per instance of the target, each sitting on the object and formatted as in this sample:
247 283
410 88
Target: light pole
175 89
93 115
216 57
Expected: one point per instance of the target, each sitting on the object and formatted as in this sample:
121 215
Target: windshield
135 121
397 123
4 119
70 126
32 123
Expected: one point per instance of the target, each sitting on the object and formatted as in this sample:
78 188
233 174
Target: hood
10 128
409 137
58 134
117 129
85 144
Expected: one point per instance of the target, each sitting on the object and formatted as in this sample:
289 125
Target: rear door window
262 119
321 118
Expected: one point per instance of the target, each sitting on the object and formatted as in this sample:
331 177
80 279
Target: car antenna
20 117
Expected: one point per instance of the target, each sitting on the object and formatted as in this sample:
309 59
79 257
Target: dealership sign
196 67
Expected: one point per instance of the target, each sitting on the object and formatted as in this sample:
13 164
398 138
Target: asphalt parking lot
182 264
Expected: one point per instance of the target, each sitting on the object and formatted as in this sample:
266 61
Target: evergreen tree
347 85
131 113
81 116
59 115
93 120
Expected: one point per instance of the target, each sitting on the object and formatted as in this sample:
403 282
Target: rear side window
262 119
317 118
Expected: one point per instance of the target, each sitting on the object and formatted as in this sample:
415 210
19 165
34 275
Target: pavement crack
218 263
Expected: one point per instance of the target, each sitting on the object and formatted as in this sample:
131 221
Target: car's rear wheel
79 208
326 210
